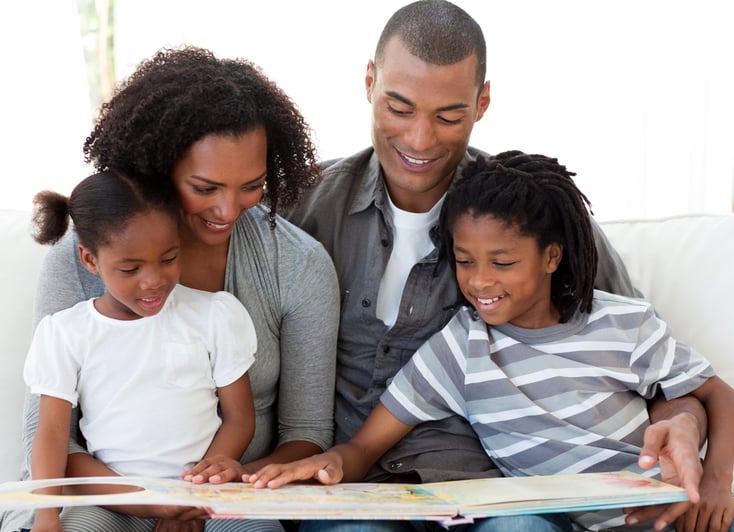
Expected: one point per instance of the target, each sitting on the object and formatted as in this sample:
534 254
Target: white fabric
144 385
412 243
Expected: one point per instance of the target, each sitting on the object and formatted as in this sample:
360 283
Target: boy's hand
715 511
215 469
47 520
325 467
673 443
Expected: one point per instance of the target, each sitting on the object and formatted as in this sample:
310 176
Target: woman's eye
203 190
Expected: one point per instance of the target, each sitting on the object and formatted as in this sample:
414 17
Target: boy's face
422 118
139 266
503 274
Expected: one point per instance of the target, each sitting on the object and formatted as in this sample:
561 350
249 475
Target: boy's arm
716 508
347 462
222 459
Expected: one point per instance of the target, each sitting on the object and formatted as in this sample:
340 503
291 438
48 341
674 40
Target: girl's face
503 274
139 266
217 179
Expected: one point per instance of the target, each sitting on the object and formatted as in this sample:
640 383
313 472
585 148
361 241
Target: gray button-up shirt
348 212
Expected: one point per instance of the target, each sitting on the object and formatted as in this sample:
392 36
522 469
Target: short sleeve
234 341
50 367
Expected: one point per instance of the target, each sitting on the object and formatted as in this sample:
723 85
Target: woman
233 148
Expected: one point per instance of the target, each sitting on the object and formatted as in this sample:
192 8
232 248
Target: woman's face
217 179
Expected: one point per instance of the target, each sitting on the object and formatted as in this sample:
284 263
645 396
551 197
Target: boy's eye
170 260
503 264
128 270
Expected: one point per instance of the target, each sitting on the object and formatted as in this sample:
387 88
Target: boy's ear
554 254
89 261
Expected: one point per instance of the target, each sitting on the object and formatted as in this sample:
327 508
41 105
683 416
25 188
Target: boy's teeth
488 301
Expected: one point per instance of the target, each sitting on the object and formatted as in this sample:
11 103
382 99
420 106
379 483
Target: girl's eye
128 270
170 260
503 264
463 262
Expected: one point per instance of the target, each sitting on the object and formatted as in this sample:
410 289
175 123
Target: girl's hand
214 469
47 520
325 467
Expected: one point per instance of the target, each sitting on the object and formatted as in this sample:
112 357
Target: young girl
149 361
552 375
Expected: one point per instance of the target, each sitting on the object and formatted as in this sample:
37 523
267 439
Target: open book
440 501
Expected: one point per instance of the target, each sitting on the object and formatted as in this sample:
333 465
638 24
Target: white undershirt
412 243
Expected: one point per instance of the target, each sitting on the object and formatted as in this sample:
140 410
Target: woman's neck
202 266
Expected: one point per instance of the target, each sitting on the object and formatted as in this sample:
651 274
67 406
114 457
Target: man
374 212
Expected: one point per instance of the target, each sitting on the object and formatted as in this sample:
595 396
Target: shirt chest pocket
186 365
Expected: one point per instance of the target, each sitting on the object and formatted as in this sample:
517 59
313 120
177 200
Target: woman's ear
553 256
88 260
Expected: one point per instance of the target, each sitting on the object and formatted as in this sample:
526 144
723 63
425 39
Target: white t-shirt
412 243
146 387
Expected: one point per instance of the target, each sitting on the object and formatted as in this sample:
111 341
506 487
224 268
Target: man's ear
88 260
483 101
369 79
554 255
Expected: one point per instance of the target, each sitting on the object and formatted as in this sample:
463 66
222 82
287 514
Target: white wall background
636 96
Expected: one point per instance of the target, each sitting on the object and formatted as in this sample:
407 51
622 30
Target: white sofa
682 264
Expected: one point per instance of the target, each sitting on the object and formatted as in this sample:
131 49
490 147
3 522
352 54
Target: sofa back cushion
685 266
18 274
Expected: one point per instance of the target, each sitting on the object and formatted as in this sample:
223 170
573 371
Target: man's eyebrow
406 101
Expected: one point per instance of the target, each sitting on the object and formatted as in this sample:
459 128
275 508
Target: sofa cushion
19 271
683 265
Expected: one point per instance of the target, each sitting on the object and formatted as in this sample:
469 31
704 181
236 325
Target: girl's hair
99 207
537 196
182 95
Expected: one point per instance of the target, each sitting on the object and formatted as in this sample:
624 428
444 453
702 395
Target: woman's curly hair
181 95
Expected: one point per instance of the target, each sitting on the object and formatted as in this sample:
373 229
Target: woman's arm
348 462
308 333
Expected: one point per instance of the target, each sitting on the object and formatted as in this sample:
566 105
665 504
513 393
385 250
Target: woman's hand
175 525
214 469
325 467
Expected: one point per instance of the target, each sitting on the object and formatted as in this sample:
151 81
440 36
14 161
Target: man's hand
674 443
215 469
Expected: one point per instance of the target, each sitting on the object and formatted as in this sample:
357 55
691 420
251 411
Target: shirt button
395 465
366 302
385 348
385 242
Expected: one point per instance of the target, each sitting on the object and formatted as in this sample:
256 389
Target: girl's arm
347 462
221 461
48 457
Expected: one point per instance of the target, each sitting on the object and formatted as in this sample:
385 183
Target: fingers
216 470
277 475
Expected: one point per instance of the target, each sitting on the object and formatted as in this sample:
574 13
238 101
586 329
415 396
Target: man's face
422 118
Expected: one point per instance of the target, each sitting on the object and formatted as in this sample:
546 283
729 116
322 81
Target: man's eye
397 112
451 122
